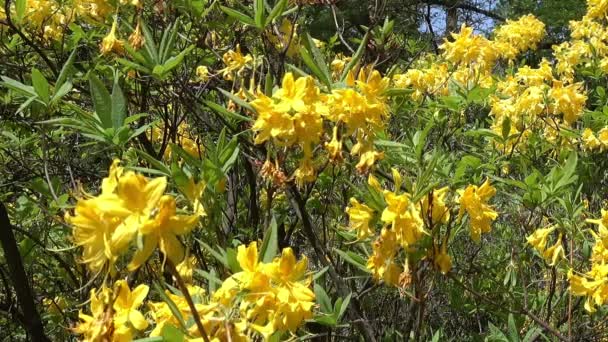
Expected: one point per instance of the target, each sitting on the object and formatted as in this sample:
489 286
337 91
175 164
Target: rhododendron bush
216 171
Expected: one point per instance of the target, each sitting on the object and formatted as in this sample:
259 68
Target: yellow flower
554 253
111 43
590 141
235 62
272 123
186 268
135 200
96 327
136 39
381 262
334 147
440 213
202 72
442 259
403 217
474 200
163 231
467 47
359 216
568 100
194 191
538 239
518 36
593 285
126 304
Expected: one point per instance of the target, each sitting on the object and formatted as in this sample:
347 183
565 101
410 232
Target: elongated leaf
323 299
225 112
172 306
356 57
351 259
119 105
236 99
41 85
220 256
270 244
317 56
18 86
168 48
59 93
276 10
20 6
245 19
102 101
174 61
259 13
316 70
154 162
149 44
65 70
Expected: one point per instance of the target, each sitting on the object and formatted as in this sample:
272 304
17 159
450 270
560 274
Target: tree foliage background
197 170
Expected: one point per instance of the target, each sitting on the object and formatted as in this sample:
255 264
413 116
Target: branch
465 6
32 322
9 21
323 256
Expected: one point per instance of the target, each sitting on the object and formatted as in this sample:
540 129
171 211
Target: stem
31 319
184 289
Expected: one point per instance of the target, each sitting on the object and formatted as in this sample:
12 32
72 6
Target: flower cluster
294 116
181 136
130 208
403 226
592 142
538 240
114 314
473 200
594 283
467 60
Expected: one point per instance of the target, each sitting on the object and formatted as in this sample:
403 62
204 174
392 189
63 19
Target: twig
184 289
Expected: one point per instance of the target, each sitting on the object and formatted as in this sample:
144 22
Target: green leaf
316 70
513 332
323 299
227 113
344 305
506 128
170 44
173 62
270 244
318 57
119 105
236 99
172 334
17 86
247 20
219 256
149 44
154 162
62 91
233 263
150 339
41 85
353 259
356 57
259 13
65 70
174 309
276 10
209 276
102 102
20 6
